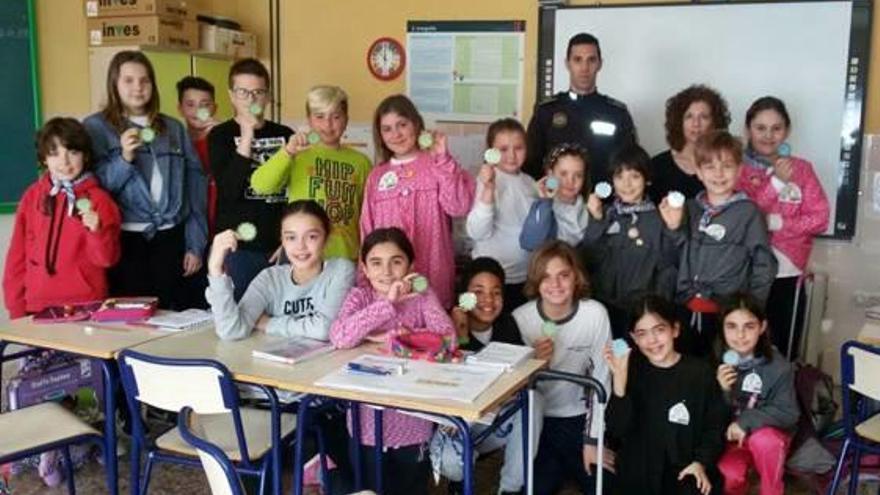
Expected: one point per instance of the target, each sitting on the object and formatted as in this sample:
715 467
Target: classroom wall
327 42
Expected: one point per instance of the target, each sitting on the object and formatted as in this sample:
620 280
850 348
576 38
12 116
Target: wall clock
386 59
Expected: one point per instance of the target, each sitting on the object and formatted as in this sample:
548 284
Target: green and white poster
468 71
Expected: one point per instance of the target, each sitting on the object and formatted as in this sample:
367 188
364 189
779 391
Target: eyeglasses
244 93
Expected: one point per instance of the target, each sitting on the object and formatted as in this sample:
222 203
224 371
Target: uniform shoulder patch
550 99
615 102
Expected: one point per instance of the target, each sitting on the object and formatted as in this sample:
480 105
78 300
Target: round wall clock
386 59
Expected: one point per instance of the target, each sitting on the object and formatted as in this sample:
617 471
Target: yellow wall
321 42
326 42
64 57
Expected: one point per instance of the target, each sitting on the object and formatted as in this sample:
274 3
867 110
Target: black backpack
814 391
815 396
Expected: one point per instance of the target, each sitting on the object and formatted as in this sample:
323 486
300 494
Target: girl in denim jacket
147 162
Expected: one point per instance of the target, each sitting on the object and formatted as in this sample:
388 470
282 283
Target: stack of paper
182 320
504 356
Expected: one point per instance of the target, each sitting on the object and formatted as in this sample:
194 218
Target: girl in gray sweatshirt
300 299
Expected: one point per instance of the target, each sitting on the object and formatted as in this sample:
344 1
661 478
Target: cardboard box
238 44
168 32
117 8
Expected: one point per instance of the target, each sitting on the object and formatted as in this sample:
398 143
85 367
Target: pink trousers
765 449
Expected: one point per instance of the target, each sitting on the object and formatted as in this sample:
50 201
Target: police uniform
598 122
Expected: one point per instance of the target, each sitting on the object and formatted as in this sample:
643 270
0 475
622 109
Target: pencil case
423 345
126 309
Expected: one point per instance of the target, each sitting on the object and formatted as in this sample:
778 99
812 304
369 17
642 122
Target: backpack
814 391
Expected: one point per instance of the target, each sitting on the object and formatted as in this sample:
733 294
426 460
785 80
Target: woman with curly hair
691 113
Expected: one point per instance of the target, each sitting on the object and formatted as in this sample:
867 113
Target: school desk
870 333
99 341
301 378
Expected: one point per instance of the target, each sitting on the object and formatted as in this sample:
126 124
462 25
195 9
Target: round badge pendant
716 231
549 328
559 120
603 190
632 233
784 150
675 199
388 181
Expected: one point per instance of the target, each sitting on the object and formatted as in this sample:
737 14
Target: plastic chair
248 437
43 427
860 376
220 471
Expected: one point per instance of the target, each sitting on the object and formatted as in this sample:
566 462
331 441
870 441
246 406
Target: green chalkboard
19 100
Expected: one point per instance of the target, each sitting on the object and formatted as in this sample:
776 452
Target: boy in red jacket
66 232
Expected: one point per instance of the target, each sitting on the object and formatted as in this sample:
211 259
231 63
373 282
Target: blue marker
370 370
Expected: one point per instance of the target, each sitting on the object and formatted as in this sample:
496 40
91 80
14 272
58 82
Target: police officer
580 115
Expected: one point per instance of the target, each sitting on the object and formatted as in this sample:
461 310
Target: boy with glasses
236 148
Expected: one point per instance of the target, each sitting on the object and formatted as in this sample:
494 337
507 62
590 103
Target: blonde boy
315 165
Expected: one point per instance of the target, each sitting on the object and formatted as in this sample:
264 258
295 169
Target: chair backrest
170 384
219 470
864 363
203 385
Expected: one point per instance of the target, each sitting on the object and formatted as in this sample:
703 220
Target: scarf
710 211
67 187
753 159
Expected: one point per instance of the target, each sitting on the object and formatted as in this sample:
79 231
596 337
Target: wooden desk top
102 341
870 333
236 355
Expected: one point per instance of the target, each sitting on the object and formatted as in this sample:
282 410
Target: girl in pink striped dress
389 304
417 191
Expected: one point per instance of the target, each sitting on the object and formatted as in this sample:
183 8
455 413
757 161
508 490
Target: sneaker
48 469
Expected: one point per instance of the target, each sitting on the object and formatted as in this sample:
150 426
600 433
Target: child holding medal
758 382
558 212
786 189
632 244
571 331
665 410
728 250
147 162
314 164
504 194
418 187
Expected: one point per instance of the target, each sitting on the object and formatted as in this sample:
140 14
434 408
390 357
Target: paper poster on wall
468 71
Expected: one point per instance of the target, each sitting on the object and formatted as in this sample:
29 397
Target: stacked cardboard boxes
161 23
225 41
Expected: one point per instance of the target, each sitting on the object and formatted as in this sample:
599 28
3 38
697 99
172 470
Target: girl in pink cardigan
788 192
389 304
417 191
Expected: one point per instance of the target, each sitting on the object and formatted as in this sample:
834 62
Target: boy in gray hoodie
728 248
